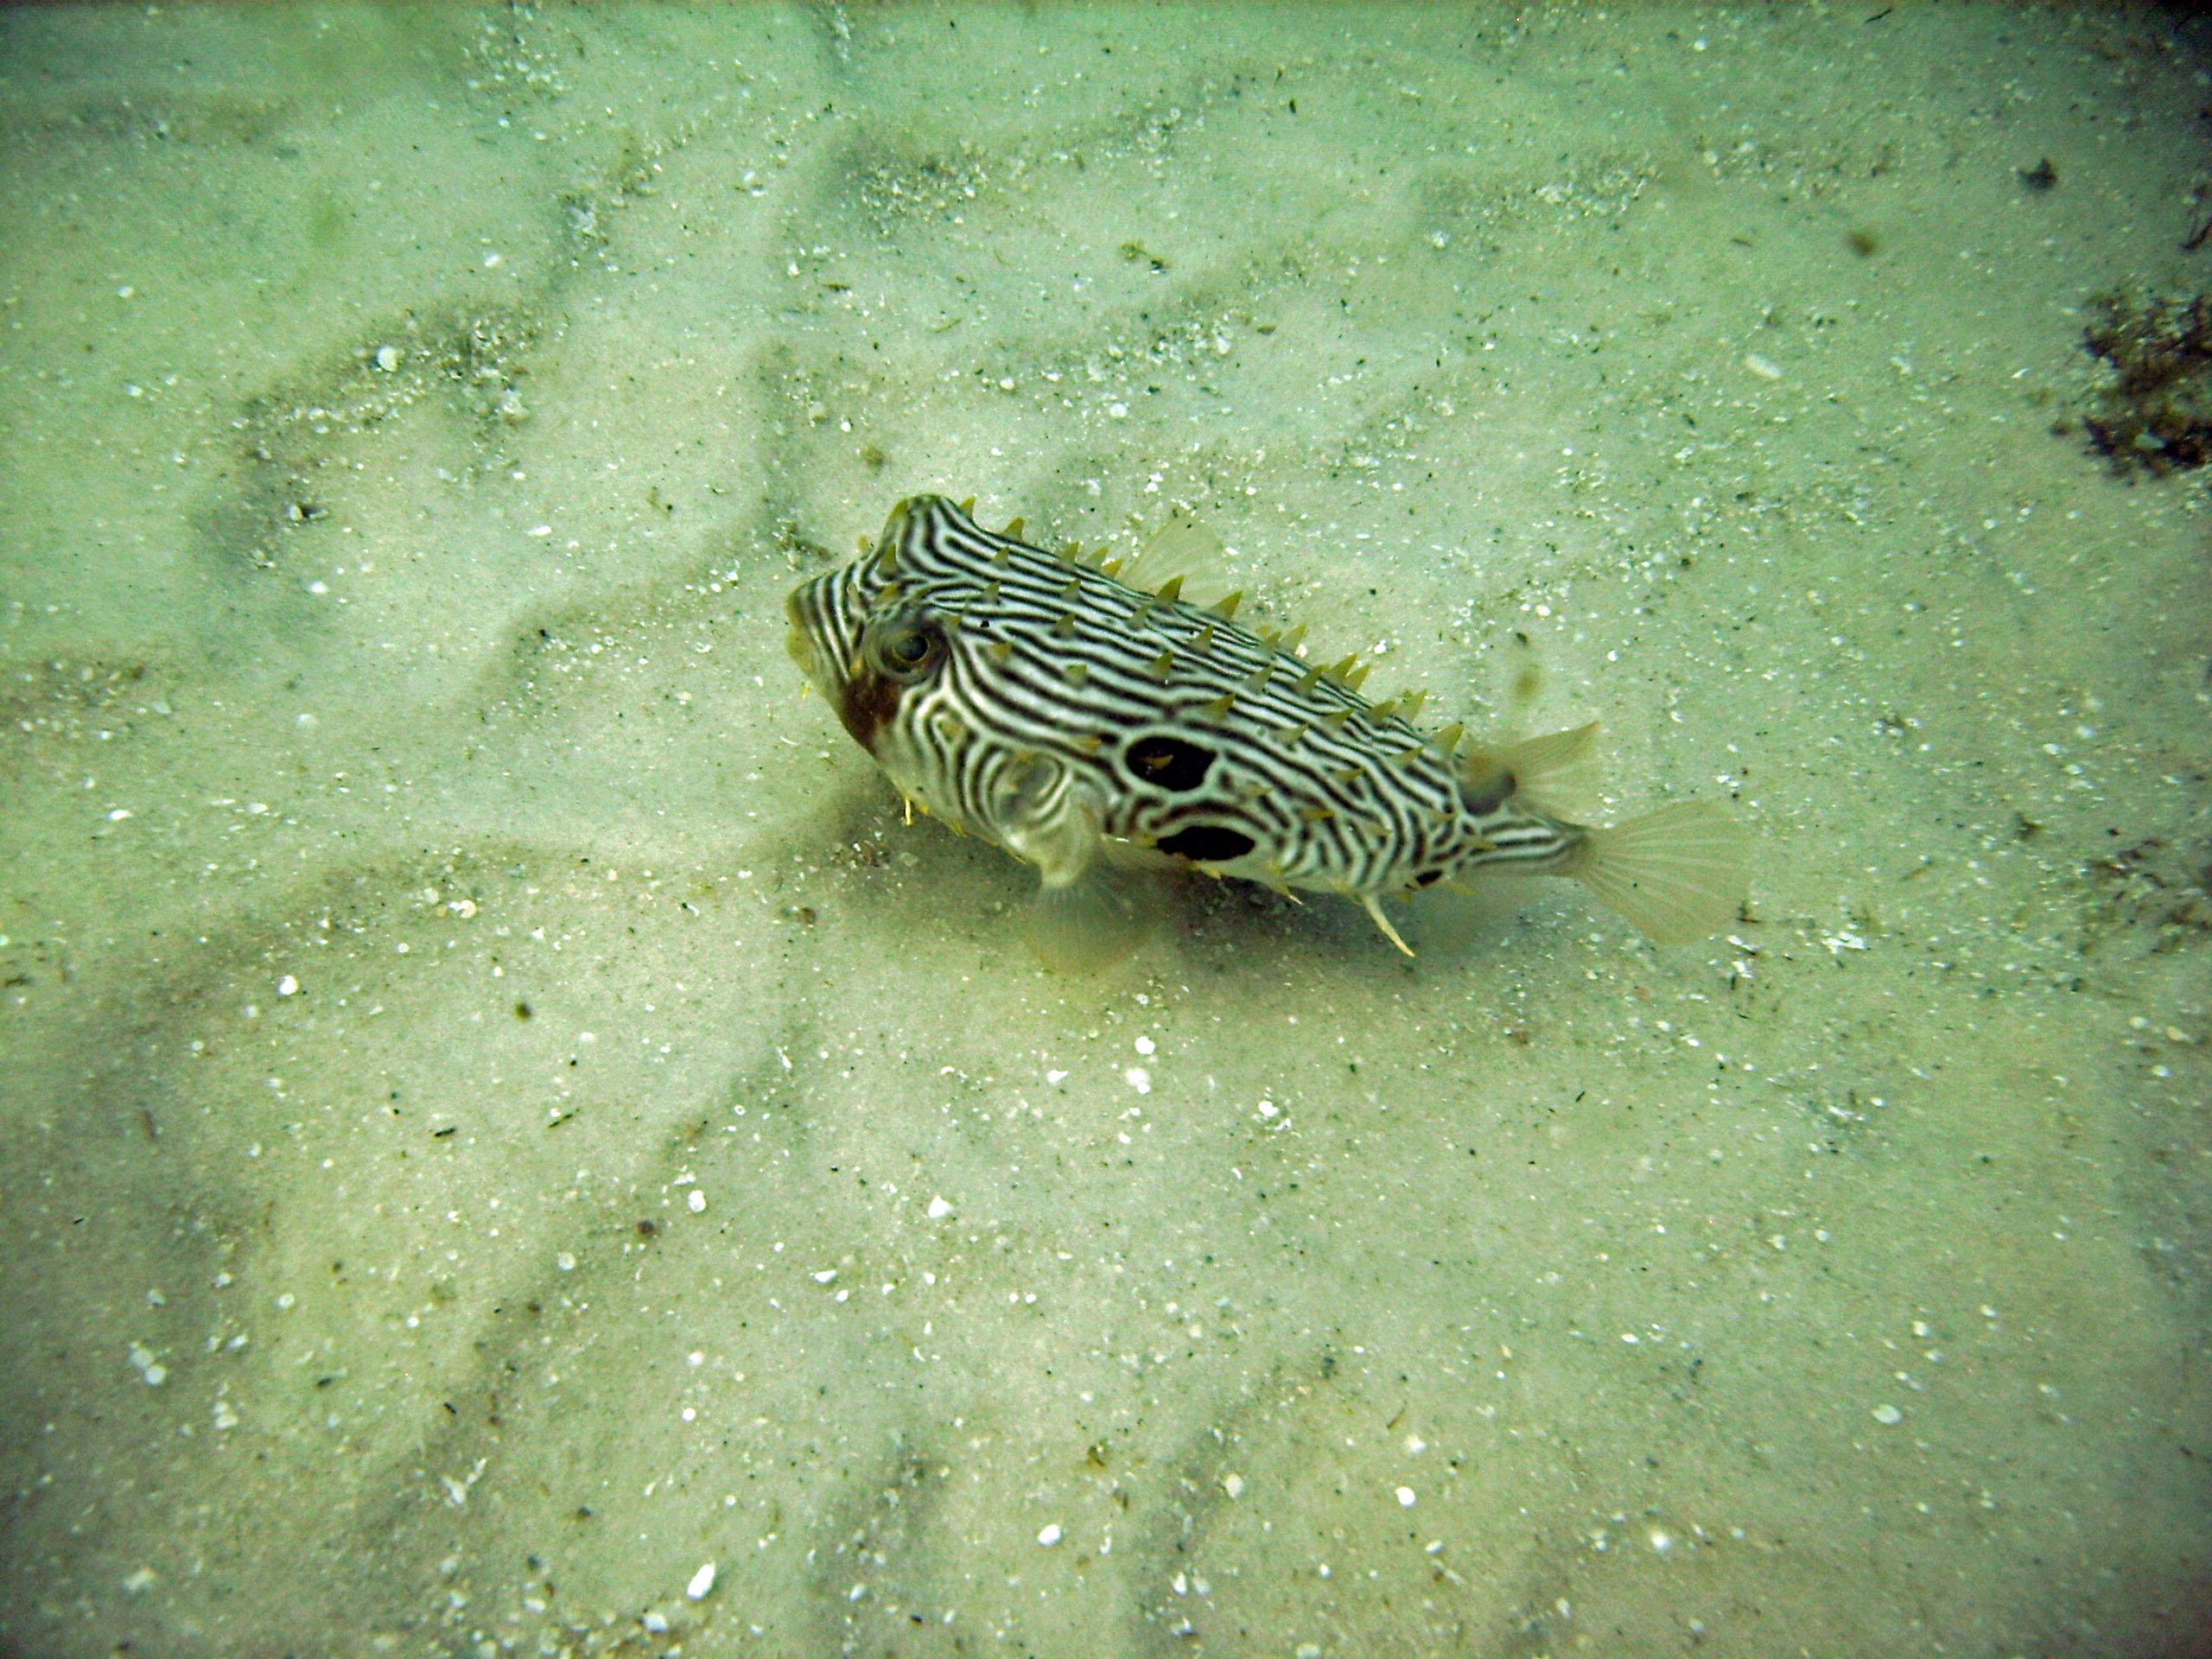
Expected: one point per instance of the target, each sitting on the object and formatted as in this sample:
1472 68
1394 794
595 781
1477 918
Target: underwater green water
501 1112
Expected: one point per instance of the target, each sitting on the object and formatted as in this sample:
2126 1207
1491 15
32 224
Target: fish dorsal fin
1182 549
1557 773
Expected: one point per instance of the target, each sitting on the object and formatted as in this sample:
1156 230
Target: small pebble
1888 1416
701 1582
150 1370
697 1201
1405 1497
939 1208
387 357
1051 1535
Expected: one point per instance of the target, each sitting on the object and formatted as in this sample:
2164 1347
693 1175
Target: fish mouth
810 641
798 644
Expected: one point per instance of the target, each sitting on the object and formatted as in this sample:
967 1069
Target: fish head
876 662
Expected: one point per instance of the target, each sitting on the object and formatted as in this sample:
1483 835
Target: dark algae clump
2154 410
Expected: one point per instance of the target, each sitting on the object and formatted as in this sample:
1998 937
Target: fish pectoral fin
1374 911
1557 774
1092 922
1678 874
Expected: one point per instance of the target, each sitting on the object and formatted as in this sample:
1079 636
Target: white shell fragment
1050 1536
702 1581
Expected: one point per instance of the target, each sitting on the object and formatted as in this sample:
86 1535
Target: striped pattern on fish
1082 721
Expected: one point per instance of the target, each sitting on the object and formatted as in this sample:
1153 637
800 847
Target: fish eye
906 650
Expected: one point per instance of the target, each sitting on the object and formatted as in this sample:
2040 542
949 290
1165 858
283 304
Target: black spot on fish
1208 843
1487 796
1427 877
1170 762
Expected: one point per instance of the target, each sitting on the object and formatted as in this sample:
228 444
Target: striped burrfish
1092 718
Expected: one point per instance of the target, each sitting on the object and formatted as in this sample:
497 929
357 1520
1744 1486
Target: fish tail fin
1676 874
1092 922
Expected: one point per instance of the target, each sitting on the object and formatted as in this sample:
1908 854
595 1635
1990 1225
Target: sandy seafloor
500 1111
